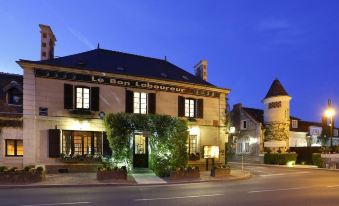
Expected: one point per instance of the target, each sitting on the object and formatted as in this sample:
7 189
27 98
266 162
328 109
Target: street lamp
329 113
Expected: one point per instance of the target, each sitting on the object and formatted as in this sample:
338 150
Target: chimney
47 42
201 70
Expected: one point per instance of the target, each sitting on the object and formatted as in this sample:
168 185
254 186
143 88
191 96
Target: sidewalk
139 179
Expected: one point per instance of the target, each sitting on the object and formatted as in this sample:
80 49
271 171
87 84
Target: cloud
82 38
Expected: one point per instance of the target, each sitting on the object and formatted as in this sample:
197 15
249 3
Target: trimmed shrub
317 161
279 158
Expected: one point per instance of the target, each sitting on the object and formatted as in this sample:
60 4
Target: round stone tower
277 117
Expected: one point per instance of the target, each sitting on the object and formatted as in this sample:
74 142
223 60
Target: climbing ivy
167 139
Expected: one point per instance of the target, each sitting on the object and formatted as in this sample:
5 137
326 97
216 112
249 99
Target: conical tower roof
276 89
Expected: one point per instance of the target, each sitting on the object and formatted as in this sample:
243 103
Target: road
268 186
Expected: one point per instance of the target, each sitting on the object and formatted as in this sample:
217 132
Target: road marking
180 197
281 174
331 186
62 203
276 190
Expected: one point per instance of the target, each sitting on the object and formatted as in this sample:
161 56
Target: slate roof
103 60
257 114
276 89
5 80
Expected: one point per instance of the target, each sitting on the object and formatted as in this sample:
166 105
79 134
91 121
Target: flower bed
221 171
80 158
27 175
112 174
185 173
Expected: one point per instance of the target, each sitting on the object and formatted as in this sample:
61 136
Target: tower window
273 105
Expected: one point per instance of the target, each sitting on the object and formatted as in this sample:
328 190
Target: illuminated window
189 108
139 144
335 132
247 147
81 143
82 98
14 147
294 123
192 144
140 102
239 147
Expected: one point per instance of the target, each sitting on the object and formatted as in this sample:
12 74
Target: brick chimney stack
201 69
47 42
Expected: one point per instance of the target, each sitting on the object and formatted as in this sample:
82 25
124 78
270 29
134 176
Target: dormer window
294 123
14 97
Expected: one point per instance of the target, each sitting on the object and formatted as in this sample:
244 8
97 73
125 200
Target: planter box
80 161
220 172
191 173
112 175
72 168
21 177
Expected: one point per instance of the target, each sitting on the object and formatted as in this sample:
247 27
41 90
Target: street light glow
330 112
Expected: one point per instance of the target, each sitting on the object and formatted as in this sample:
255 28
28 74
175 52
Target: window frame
190 109
244 126
9 94
82 98
93 141
140 103
15 147
294 123
192 145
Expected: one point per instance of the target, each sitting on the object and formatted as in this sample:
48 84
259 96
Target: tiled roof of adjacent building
276 89
256 114
103 60
7 79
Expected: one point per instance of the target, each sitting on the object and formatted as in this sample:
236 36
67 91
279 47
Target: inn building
65 98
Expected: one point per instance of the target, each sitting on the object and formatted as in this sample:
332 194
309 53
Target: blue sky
247 43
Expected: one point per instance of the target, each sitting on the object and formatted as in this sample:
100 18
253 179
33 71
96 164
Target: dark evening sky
247 43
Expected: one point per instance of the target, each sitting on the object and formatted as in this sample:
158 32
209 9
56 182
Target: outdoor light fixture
329 113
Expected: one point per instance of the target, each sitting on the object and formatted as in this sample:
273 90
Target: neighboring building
64 99
11 138
252 126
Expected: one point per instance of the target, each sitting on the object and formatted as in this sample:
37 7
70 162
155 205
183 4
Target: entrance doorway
140 150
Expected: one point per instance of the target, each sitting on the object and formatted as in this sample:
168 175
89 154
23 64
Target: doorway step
146 176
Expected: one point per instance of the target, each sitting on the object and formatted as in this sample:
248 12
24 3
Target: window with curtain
14 147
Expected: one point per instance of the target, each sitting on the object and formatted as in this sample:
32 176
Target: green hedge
316 158
279 158
167 140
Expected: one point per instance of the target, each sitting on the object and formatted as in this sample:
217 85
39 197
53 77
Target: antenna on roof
98 46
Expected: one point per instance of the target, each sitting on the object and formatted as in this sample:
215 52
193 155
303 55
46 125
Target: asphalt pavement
268 186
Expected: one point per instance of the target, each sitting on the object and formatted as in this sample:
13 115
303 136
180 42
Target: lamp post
329 113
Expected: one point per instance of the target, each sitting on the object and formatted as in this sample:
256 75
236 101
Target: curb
247 175
283 166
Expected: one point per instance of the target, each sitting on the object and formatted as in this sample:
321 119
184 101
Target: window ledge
82 112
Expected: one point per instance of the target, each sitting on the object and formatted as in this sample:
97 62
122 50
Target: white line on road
62 203
182 197
331 186
281 174
276 190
